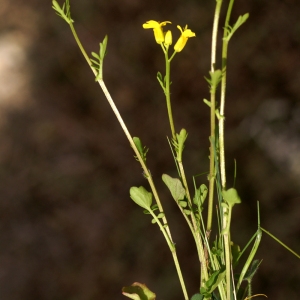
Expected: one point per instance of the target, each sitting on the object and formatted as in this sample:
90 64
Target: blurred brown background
68 228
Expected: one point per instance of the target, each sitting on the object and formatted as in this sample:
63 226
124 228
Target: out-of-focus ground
68 228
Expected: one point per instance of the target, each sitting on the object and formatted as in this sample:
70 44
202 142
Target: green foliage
212 283
231 197
179 143
141 197
197 297
213 81
200 196
64 11
138 291
159 216
235 252
175 186
231 30
217 259
252 270
142 149
97 64
161 80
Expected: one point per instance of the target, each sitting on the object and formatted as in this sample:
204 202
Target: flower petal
189 33
154 24
151 24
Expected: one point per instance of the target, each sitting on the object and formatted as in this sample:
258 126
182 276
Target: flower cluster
166 37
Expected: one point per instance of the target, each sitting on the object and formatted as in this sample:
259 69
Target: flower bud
168 38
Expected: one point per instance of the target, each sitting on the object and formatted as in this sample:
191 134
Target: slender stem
196 230
168 95
223 93
226 223
174 254
215 33
253 251
250 258
175 258
222 145
81 48
280 242
132 144
147 173
212 120
124 127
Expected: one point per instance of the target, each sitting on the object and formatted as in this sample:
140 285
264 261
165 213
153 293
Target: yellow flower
168 38
158 32
185 34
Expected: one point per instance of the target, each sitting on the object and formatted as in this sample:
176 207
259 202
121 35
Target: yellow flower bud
168 38
185 34
157 28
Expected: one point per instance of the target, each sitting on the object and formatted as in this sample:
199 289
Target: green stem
253 251
222 100
124 127
175 258
280 242
215 33
197 235
212 120
222 151
81 48
250 258
166 232
227 211
228 264
174 254
168 95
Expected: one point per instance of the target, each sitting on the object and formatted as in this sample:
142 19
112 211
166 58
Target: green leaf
231 30
214 280
252 270
159 76
154 207
160 80
231 197
235 252
200 195
103 46
95 55
99 65
142 149
217 249
160 215
208 103
175 187
204 292
96 63
63 12
214 80
182 203
197 297
141 197
138 291
179 143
